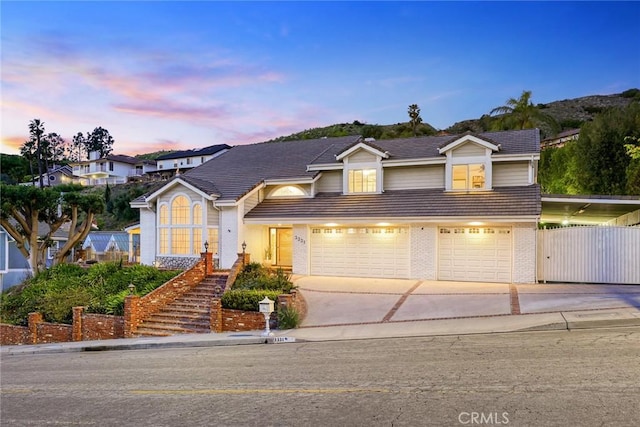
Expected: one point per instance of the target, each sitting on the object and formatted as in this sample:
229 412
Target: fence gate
593 254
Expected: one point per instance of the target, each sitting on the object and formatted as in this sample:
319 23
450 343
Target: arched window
197 214
180 209
288 191
180 228
164 215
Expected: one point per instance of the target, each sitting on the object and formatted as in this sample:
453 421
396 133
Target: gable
469 138
362 156
469 149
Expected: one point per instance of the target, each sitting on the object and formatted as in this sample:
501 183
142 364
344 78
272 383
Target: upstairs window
362 181
288 191
468 177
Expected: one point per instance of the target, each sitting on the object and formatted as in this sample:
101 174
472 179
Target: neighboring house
438 208
17 266
14 267
181 161
560 139
112 169
106 246
57 175
134 242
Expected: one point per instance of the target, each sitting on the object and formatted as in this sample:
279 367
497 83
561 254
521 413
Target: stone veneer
176 263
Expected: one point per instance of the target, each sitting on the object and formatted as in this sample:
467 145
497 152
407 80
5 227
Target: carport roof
501 202
586 210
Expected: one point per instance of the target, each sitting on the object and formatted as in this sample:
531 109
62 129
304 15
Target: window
468 177
362 181
181 230
111 166
180 210
288 191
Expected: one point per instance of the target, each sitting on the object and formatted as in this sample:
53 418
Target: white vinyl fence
589 255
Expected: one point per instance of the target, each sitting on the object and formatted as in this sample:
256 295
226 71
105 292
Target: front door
284 247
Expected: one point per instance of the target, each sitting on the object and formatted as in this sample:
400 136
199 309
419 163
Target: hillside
569 113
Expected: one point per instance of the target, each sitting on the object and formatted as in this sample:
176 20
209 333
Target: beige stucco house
459 207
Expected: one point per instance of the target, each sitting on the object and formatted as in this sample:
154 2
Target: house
112 169
57 175
180 161
459 207
106 246
133 232
560 139
14 267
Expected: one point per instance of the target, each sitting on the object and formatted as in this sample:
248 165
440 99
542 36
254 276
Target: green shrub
102 289
256 276
288 318
247 299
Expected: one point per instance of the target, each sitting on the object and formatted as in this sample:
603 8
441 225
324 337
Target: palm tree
520 114
36 129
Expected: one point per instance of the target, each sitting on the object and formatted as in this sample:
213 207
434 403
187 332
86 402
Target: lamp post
244 248
266 308
206 246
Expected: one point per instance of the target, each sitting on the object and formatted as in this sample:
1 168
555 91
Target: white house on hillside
461 207
112 169
182 161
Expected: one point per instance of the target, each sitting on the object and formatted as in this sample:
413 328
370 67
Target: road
582 377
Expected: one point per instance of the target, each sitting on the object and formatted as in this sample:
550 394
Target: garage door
474 254
360 252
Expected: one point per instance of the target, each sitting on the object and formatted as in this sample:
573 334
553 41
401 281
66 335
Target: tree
24 208
14 168
79 148
602 160
36 130
415 119
520 114
99 140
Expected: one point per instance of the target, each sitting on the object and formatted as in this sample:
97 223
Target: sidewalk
420 328
342 308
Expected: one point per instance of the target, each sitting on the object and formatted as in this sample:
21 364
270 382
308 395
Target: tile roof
239 170
502 201
193 153
243 167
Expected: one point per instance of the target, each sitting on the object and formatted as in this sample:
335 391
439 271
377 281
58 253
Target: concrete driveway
347 300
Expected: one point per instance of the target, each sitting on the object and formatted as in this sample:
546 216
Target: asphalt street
581 377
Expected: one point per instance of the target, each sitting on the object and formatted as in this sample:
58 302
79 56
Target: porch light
266 308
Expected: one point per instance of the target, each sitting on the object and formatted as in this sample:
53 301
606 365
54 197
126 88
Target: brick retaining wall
136 308
14 335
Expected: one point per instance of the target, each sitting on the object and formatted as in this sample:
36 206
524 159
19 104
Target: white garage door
360 252
474 254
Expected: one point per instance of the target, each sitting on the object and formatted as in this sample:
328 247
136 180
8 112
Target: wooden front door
284 247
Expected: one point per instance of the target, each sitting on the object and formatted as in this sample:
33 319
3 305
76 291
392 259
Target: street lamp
266 308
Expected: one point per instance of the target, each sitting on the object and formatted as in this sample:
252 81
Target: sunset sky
181 75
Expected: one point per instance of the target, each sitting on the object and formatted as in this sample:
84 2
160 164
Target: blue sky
179 75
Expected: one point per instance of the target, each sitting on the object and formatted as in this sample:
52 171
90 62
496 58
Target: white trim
290 181
448 220
362 146
425 161
324 167
592 201
468 138
175 182
515 157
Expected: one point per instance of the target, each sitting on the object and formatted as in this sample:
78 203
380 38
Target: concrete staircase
188 314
